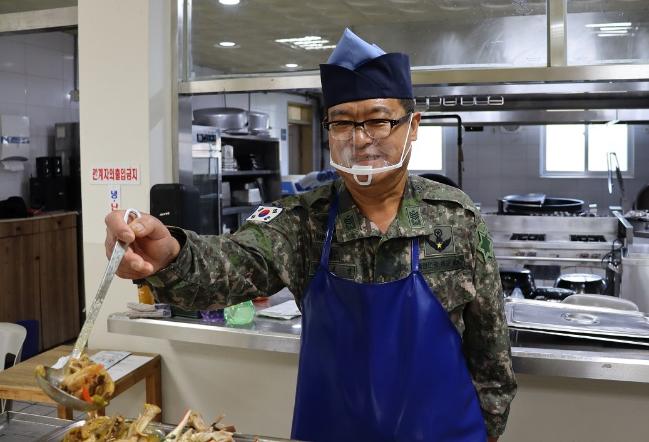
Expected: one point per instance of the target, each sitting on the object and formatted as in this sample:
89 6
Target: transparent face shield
366 148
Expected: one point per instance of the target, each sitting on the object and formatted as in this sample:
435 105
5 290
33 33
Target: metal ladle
50 380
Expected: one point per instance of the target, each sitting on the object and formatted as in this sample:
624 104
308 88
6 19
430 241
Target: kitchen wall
275 104
36 75
499 163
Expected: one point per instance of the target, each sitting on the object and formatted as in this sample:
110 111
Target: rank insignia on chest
414 217
441 241
264 214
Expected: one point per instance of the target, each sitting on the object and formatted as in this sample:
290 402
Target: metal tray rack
19 427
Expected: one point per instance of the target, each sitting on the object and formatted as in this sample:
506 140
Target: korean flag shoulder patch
264 214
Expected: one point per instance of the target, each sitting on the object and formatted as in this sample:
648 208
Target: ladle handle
91 314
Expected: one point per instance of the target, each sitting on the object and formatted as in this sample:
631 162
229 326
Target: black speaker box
48 193
176 205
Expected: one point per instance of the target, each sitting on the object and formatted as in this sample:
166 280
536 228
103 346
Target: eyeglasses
376 128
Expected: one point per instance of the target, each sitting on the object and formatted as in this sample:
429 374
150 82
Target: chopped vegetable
85 395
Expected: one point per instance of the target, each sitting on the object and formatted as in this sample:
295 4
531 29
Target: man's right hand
150 245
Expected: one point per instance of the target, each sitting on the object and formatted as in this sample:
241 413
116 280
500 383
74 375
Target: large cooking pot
258 122
582 283
538 203
523 278
224 118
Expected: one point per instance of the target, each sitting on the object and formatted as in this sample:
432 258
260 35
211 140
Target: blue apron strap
331 226
414 260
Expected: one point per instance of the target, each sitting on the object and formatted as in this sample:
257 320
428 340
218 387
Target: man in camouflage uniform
282 247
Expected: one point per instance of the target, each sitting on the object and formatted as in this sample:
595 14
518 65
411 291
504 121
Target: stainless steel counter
533 355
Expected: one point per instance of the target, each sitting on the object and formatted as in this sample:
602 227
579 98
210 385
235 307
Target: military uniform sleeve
486 337
216 271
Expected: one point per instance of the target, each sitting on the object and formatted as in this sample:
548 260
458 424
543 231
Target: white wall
273 103
125 118
498 163
36 75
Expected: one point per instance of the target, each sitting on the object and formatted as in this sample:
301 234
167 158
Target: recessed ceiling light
229 2
601 25
291 65
227 44
309 42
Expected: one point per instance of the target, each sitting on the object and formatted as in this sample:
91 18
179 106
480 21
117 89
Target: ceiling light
309 42
601 25
612 35
229 2
614 28
227 44
613 31
291 65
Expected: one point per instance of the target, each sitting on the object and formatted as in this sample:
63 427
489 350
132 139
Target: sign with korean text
114 197
115 174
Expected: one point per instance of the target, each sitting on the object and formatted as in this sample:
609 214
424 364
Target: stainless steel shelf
535 358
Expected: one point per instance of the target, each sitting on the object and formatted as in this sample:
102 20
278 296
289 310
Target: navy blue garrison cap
357 70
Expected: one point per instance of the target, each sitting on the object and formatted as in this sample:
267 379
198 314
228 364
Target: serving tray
58 434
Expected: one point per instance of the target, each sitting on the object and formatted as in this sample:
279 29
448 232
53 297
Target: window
584 150
427 151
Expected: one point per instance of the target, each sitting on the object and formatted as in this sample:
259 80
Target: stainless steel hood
539 103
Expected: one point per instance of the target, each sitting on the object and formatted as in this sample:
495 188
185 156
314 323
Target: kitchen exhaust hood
539 103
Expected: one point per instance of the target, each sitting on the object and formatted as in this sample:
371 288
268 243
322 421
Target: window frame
441 171
543 173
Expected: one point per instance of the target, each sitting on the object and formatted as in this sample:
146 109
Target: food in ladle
86 380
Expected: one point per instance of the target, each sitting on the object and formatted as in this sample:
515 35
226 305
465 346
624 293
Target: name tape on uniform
264 214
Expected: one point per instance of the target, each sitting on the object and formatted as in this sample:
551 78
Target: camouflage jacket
456 259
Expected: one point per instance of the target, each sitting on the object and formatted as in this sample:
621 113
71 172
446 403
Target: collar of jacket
414 217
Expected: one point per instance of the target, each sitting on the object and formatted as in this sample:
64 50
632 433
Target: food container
577 319
258 122
582 283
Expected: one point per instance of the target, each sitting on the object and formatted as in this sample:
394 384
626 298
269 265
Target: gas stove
551 245
553 237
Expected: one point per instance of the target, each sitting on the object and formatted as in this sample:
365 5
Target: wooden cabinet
39 275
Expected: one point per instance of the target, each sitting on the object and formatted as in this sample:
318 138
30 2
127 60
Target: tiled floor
40 409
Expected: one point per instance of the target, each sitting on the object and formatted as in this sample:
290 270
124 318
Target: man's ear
414 126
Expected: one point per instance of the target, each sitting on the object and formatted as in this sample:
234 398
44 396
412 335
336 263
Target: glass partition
281 36
605 32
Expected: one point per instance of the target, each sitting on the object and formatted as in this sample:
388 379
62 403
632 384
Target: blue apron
381 362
